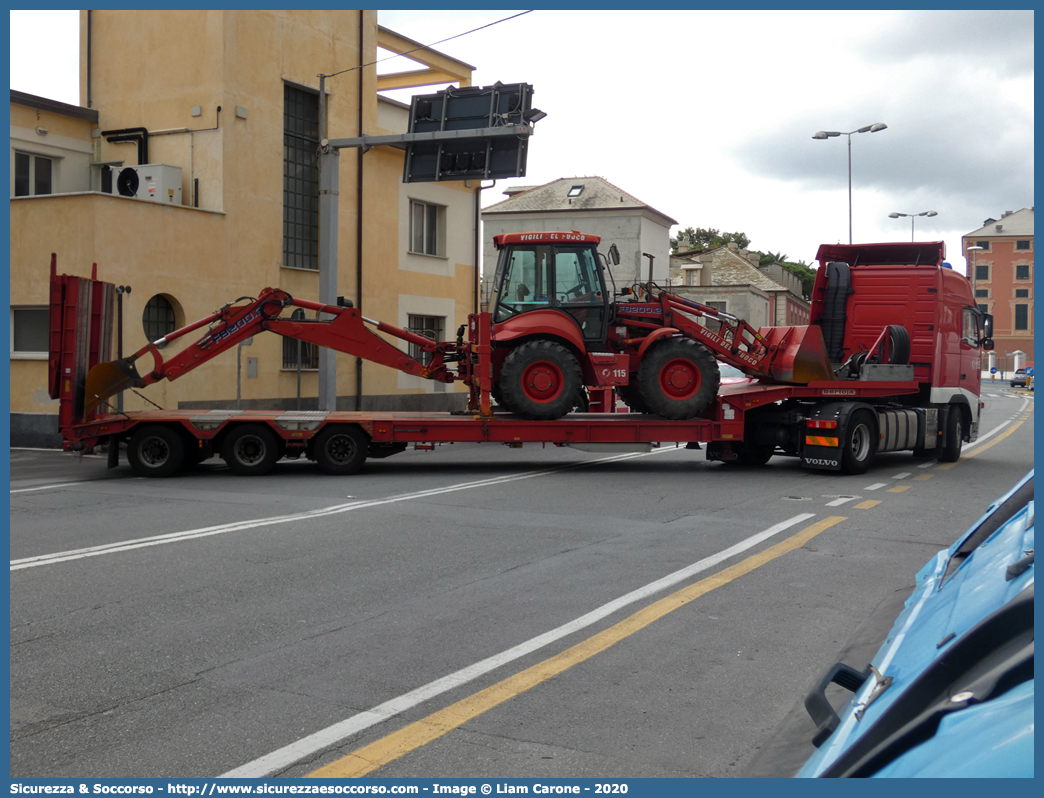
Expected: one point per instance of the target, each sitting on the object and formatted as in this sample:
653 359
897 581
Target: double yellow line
397 744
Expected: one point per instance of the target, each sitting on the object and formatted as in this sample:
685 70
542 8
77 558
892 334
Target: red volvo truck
890 361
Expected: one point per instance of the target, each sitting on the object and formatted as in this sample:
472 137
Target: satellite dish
127 182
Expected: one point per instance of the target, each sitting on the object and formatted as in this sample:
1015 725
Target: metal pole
328 188
298 373
849 188
911 227
119 336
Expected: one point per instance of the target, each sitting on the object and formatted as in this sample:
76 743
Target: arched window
158 318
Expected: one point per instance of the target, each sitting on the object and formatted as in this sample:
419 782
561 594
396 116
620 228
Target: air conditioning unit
152 181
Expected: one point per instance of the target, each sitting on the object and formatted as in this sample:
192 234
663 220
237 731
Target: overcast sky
708 116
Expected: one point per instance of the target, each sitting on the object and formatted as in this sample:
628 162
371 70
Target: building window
982 292
29 333
575 191
982 273
1022 245
33 175
1022 317
296 351
983 308
158 318
430 327
427 225
720 306
300 178
1022 293
1022 271
984 244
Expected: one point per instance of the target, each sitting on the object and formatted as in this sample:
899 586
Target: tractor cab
559 271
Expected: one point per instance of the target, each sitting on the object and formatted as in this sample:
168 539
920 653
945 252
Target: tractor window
526 281
576 280
578 289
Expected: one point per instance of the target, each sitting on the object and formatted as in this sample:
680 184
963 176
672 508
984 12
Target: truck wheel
860 443
632 398
155 451
950 451
678 378
251 450
340 449
540 380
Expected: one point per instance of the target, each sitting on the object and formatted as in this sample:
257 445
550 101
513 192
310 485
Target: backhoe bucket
108 379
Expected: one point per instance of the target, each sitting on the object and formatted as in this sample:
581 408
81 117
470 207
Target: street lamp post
975 263
912 216
829 134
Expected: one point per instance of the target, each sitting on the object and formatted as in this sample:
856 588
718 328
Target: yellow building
223 108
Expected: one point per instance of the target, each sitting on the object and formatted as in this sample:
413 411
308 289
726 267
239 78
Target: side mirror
987 344
987 326
614 255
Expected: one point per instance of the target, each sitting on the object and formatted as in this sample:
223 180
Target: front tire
341 449
951 448
251 450
540 380
678 378
155 451
860 443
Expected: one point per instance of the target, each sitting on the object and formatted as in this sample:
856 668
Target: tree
707 238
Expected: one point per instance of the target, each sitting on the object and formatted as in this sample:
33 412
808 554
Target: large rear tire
251 450
860 444
540 380
341 449
155 451
678 378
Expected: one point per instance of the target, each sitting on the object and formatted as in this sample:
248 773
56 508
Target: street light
975 263
912 216
829 134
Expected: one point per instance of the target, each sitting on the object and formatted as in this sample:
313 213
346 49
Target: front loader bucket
108 379
798 354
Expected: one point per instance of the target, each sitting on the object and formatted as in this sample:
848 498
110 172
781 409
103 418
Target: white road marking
332 735
174 537
876 486
842 500
51 487
902 475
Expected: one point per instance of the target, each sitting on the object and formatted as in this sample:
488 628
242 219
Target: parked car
1019 379
950 692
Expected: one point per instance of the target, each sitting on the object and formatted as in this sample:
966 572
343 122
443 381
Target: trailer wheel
155 451
540 380
340 449
251 450
950 451
860 443
678 378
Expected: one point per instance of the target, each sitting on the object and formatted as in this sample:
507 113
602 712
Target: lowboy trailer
894 331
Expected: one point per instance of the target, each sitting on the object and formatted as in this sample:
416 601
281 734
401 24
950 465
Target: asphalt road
472 611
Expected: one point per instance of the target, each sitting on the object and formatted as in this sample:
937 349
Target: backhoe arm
345 332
